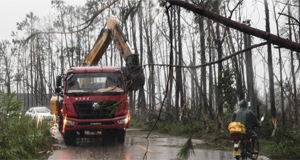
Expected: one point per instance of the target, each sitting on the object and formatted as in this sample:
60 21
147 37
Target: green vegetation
187 149
21 137
108 105
283 145
135 123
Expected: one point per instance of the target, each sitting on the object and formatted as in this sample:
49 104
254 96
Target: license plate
237 153
95 123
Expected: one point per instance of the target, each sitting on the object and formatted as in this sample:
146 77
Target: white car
39 113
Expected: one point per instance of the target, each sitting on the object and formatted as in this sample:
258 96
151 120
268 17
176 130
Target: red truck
94 98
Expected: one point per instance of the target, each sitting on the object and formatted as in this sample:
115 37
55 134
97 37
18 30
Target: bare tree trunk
61 55
4 47
203 69
141 97
210 79
36 73
133 29
193 72
218 75
7 75
180 62
238 77
281 80
40 85
25 81
71 49
270 67
148 31
294 95
219 97
249 71
31 66
78 49
176 109
51 69
66 41
151 58
298 53
169 96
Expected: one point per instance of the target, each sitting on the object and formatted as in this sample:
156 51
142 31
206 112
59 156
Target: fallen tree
281 42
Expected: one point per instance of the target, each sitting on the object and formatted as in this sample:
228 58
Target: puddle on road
171 141
133 148
162 141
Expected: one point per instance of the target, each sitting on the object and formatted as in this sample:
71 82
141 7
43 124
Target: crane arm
114 32
98 49
119 38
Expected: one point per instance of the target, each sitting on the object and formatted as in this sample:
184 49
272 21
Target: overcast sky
13 11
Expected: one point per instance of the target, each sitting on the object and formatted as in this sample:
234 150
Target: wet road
134 148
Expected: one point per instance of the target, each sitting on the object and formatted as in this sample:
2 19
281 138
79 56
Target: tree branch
290 17
88 22
238 26
214 62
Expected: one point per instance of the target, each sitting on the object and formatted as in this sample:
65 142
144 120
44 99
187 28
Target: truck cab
92 99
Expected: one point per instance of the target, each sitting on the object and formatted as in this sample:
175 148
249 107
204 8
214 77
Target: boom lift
94 98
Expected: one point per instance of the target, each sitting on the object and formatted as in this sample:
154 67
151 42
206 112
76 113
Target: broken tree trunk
238 26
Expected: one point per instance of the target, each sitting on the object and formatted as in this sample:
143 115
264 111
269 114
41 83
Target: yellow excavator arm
98 50
114 32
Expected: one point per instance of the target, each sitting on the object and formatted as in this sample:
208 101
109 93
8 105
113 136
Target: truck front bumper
120 122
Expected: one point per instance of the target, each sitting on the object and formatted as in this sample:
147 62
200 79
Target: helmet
243 103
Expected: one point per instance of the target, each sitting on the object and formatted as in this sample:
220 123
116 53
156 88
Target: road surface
160 148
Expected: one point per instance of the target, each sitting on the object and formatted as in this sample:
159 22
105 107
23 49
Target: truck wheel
59 127
60 124
121 136
69 138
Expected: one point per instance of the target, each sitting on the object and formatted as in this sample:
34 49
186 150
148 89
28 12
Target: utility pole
249 70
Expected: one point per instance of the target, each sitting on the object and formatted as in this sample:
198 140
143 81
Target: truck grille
90 110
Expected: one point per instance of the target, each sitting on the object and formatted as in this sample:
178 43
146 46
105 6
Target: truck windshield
95 82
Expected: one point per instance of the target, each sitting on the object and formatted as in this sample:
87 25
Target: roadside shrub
20 138
136 123
266 130
174 128
288 143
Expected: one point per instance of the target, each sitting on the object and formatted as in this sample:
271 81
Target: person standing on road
247 118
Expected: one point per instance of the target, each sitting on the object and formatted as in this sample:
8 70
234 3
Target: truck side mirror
57 90
58 84
58 81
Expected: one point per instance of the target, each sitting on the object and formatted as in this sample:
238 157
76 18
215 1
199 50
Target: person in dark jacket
248 118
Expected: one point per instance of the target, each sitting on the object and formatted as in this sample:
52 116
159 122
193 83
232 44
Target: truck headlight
123 121
70 122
